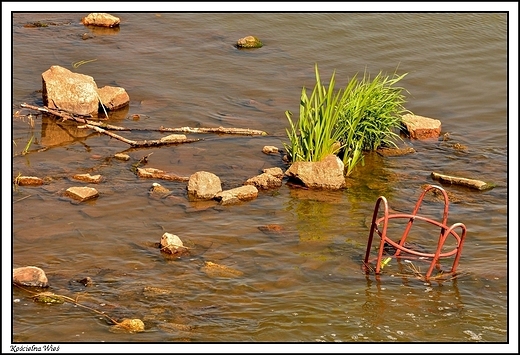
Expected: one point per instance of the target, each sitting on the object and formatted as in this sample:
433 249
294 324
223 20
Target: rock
30 276
265 181
269 149
174 138
276 172
419 127
242 193
395 152
113 98
122 156
271 228
81 193
158 190
215 270
203 185
472 183
249 42
101 19
130 325
28 181
95 179
172 244
325 174
153 173
68 91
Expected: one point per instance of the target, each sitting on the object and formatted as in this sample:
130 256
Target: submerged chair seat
404 249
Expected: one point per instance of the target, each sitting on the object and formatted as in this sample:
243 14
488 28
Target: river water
303 282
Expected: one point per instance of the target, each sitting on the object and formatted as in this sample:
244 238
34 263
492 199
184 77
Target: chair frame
404 252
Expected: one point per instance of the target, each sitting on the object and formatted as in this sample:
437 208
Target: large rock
100 19
203 185
419 127
30 276
325 174
78 94
68 91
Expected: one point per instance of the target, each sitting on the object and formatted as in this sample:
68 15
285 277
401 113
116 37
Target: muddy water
300 282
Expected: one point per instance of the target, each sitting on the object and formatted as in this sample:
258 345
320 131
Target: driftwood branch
57 113
219 130
222 130
145 143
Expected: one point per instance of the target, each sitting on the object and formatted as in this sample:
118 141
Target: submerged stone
249 42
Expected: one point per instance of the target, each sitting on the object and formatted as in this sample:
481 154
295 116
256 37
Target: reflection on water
298 251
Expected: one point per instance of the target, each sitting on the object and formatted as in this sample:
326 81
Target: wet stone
30 276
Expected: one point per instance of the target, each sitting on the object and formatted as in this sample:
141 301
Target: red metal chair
380 226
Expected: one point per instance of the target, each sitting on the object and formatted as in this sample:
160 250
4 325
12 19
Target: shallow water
303 284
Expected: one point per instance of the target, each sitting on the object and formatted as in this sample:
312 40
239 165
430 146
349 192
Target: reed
362 117
316 133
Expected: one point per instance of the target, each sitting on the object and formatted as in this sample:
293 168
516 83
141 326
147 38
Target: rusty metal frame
401 250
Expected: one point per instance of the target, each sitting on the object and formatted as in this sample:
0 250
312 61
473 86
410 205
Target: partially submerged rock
216 270
93 179
249 42
174 138
152 173
236 195
78 93
419 127
157 190
269 179
129 325
30 276
113 98
100 19
395 152
475 184
270 149
325 174
122 156
203 185
81 193
72 92
172 244
28 181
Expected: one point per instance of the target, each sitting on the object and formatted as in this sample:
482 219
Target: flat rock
242 193
28 181
420 127
81 193
94 179
152 173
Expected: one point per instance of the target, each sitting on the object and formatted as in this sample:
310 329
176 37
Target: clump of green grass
316 133
362 117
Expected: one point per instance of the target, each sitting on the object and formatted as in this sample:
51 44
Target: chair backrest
401 247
